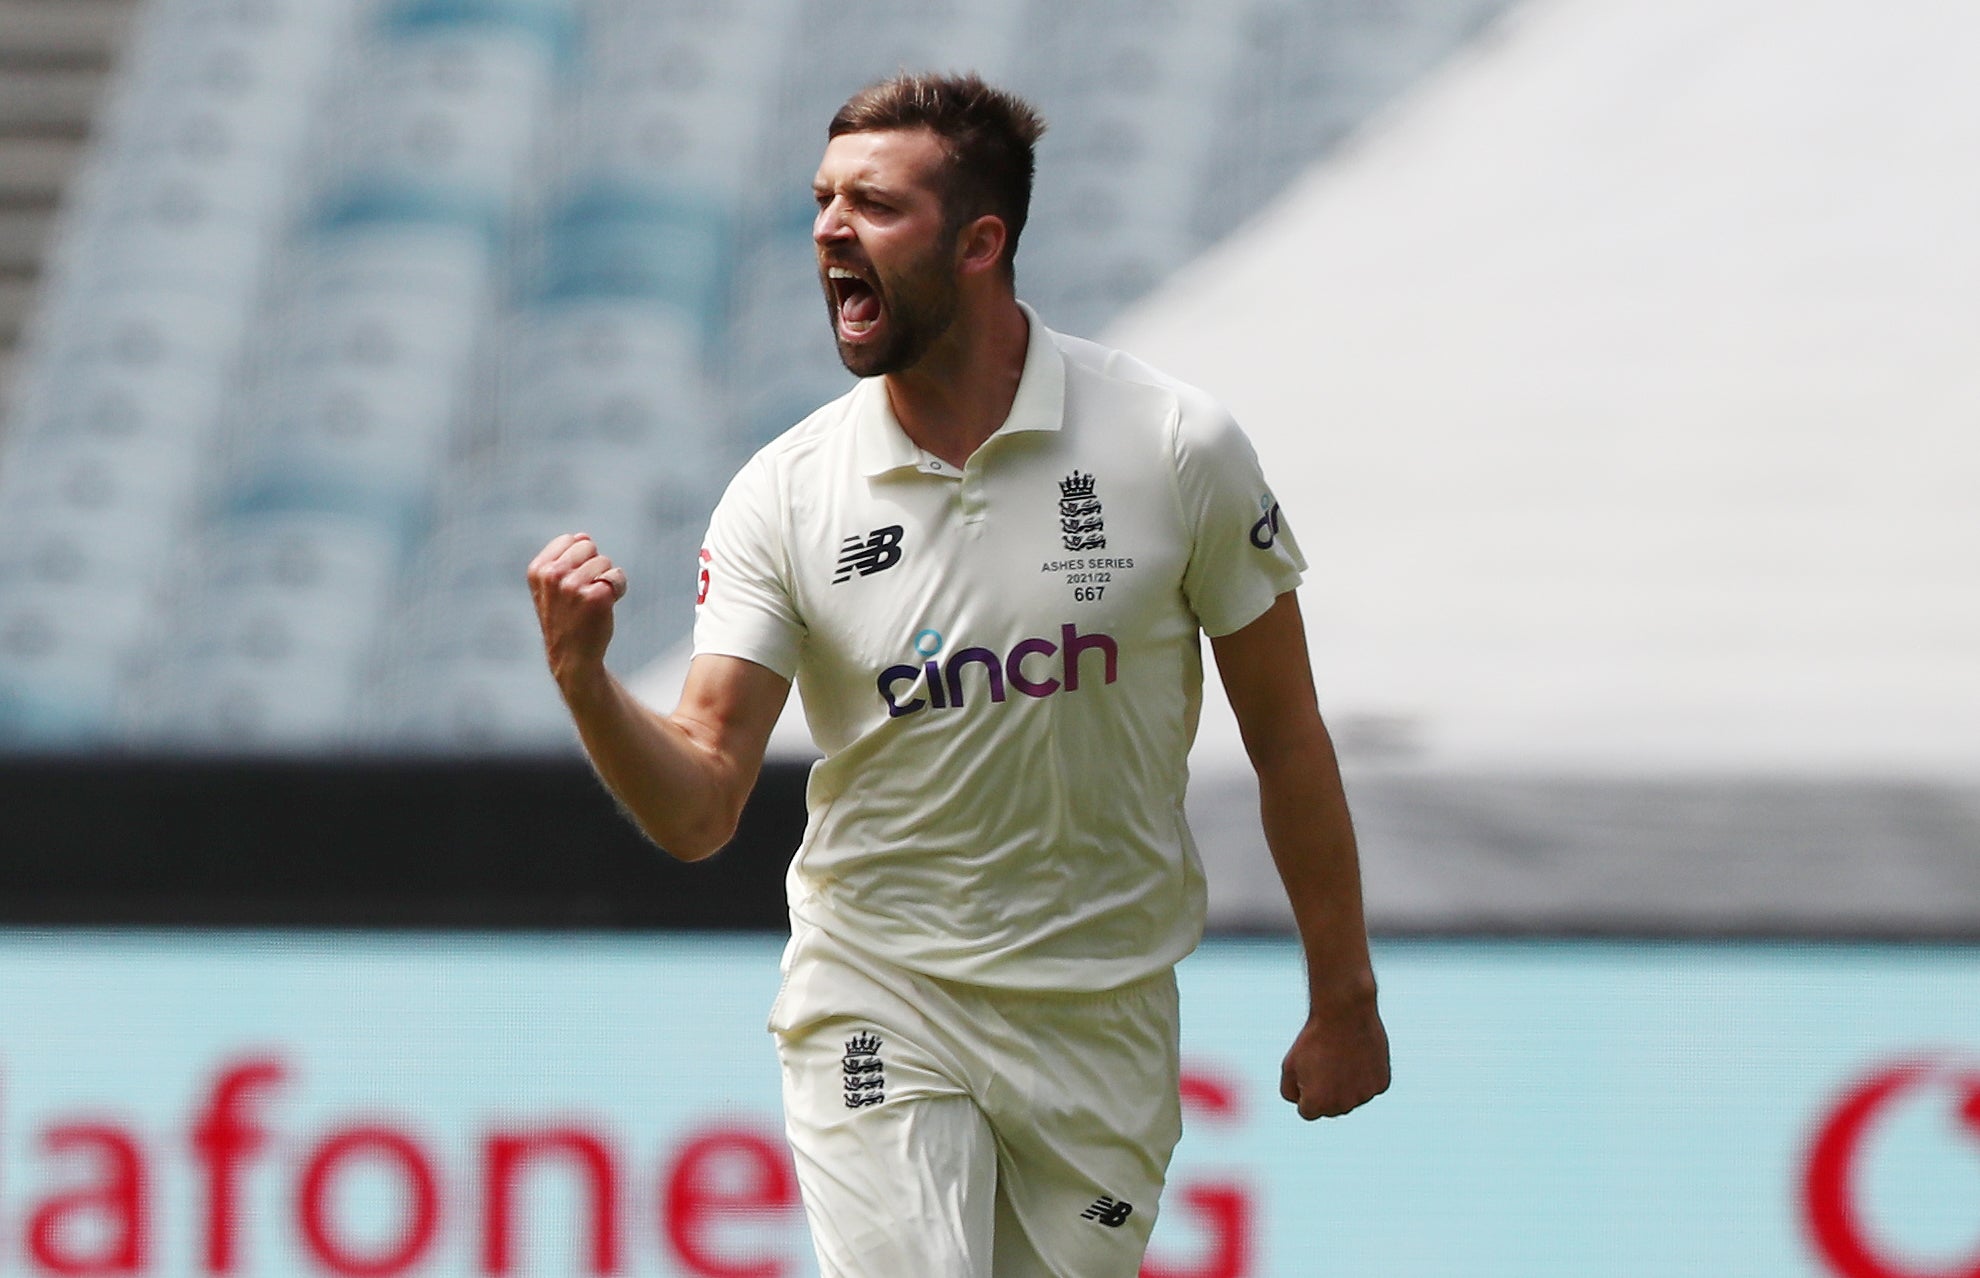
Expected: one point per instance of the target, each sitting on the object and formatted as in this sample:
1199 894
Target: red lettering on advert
1219 1211
112 1211
1835 1218
223 1139
507 1155
365 1199
727 1173
1209 1095
422 1196
1223 1212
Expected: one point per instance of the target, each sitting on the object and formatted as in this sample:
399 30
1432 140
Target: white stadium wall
1619 382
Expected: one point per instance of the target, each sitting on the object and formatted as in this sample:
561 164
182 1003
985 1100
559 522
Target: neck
960 392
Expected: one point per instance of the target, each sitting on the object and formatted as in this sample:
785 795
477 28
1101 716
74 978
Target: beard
918 304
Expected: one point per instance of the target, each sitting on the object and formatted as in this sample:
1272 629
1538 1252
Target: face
886 256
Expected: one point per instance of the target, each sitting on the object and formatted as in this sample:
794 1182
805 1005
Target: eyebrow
859 186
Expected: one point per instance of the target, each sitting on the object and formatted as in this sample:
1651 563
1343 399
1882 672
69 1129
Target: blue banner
276 1104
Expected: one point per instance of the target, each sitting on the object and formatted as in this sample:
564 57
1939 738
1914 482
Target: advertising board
309 1104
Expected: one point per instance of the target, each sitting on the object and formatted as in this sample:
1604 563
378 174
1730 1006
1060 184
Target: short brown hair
989 136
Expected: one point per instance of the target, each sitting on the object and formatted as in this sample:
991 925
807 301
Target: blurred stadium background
1618 363
348 303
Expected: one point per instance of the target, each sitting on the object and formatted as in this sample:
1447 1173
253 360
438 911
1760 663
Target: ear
980 245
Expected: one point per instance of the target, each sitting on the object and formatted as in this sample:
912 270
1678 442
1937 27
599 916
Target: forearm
1340 1058
683 793
1311 837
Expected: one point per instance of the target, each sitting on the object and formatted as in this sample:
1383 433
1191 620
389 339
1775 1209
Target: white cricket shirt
1001 663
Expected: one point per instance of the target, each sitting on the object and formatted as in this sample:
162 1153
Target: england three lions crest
865 1074
1080 522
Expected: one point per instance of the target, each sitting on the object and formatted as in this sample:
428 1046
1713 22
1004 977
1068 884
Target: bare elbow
696 841
687 849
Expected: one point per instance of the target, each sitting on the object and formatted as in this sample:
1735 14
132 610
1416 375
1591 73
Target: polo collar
1040 404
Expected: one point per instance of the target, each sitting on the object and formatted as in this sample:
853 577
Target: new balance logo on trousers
1108 1212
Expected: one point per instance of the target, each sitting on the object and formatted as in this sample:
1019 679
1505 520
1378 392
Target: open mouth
855 301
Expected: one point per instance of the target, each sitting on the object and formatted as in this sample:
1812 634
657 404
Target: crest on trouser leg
864 1073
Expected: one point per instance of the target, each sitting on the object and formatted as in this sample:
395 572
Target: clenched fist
575 587
1339 1062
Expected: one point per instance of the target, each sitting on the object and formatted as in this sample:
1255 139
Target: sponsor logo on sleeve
1266 531
701 586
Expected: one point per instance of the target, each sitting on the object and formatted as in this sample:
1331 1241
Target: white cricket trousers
953 1131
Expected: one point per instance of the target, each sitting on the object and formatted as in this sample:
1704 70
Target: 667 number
1087 594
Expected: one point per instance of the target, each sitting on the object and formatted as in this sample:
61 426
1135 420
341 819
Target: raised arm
1340 1058
682 777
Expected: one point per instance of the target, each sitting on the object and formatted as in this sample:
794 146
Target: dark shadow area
341 843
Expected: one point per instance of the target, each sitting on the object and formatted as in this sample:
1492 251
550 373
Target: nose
830 224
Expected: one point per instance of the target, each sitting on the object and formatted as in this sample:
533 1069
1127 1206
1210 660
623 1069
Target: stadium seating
359 302
62 653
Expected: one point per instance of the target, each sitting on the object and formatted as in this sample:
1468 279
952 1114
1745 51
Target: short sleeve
743 605
1242 552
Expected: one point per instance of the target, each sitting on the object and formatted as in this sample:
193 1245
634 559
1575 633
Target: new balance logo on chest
868 553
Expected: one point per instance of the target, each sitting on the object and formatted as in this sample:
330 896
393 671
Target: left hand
1339 1061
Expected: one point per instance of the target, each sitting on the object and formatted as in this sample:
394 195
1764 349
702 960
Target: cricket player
989 568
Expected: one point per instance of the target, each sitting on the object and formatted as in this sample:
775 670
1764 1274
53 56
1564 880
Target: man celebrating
987 567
